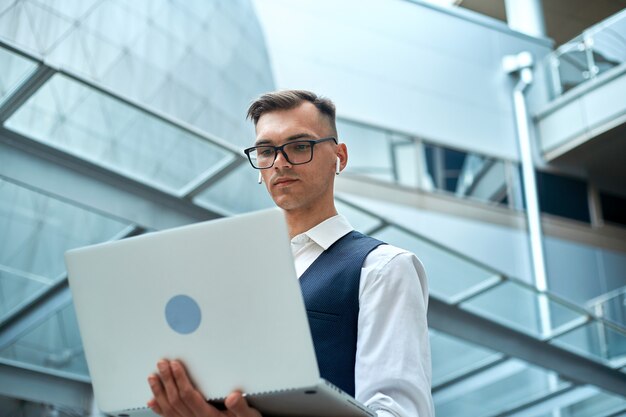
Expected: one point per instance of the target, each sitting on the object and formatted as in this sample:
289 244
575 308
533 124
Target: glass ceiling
36 231
76 119
15 68
199 61
238 192
72 115
52 346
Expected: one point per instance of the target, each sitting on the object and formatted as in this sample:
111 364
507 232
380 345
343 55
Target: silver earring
338 166
260 178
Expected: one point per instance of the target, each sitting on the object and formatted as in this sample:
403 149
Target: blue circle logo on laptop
183 314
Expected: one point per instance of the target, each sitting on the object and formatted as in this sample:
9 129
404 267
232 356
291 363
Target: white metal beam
30 384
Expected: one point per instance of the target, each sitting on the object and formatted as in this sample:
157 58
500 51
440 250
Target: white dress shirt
393 366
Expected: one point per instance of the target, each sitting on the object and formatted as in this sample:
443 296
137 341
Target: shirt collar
327 232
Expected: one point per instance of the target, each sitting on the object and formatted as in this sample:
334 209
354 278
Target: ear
342 156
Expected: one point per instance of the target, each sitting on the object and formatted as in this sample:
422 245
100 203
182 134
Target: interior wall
414 68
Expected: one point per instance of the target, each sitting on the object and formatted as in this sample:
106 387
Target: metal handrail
601 299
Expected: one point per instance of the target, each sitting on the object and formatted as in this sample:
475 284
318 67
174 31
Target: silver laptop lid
222 296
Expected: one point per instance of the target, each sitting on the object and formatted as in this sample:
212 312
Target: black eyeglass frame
281 150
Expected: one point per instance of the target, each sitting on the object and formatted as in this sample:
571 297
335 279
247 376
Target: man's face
300 187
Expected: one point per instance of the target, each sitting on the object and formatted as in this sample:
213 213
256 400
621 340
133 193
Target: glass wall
596 51
418 163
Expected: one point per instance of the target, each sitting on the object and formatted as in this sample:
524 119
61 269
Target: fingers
189 395
154 406
174 395
160 404
171 389
238 406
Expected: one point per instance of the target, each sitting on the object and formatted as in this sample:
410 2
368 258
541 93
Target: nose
281 160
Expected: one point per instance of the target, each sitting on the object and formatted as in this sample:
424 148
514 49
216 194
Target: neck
299 221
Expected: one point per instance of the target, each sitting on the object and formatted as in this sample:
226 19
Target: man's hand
175 396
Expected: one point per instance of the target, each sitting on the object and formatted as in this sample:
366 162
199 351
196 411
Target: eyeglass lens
297 153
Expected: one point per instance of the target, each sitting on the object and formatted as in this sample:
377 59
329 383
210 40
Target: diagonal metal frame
498 278
37 78
85 183
210 177
35 312
483 332
453 320
470 373
546 403
31 384
112 94
46 303
24 91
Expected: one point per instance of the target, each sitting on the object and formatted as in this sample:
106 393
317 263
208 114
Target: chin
287 203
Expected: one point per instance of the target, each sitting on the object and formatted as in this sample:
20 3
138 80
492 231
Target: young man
366 301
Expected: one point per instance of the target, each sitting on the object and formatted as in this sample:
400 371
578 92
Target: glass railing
471 380
597 50
36 230
485 291
417 163
611 307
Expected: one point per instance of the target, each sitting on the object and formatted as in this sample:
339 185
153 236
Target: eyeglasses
297 152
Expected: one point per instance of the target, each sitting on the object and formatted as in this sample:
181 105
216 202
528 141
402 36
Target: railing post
591 62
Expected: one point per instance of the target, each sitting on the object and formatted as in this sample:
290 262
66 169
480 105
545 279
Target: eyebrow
292 137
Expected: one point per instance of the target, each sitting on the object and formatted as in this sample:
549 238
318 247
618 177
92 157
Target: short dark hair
290 99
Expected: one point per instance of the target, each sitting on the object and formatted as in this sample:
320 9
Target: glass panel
452 357
448 274
588 402
573 67
33 26
78 120
54 344
36 230
467 175
597 341
611 306
608 43
85 53
500 388
13 69
237 192
406 154
16 286
369 150
401 159
599 49
521 308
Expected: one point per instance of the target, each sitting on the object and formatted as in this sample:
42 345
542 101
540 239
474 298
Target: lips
283 181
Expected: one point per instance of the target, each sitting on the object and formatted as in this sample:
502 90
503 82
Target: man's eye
265 152
301 147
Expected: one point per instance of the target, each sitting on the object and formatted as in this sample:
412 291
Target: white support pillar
526 16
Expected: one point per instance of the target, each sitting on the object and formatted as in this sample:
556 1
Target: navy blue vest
330 287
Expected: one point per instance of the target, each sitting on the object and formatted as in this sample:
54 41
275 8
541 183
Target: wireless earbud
260 178
338 166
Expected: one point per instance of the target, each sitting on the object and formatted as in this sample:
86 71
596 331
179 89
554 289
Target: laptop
223 297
